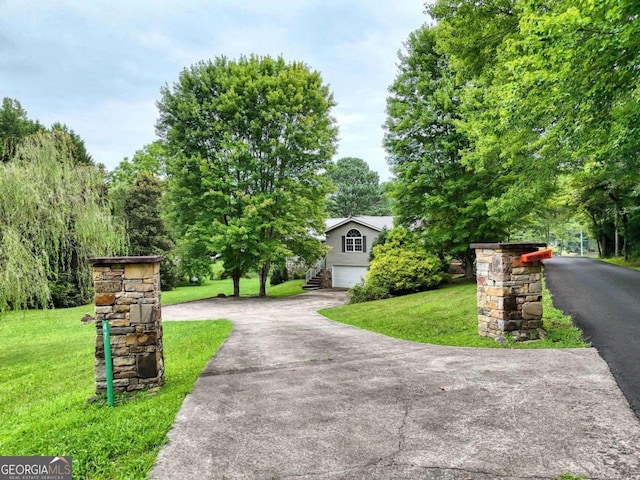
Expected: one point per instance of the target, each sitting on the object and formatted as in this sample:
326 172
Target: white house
349 241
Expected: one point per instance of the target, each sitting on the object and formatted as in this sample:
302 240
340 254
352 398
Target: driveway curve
291 394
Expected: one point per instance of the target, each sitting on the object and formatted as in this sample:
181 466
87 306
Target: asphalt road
604 301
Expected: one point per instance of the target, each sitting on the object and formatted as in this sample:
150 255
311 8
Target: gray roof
374 222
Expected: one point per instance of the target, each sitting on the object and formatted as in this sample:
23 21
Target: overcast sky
98 65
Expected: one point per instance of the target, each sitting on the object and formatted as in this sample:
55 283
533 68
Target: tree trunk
468 260
264 275
236 285
625 236
599 242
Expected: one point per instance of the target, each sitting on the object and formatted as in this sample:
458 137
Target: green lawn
634 263
249 287
446 316
47 375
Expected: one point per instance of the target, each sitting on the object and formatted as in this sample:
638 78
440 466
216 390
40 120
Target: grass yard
286 289
47 375
447 316
633 263
249 287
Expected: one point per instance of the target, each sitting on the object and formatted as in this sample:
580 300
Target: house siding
334 242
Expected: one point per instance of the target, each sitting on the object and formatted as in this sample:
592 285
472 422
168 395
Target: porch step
312 284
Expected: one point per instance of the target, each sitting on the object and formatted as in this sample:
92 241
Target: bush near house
279 275
366 292
400 266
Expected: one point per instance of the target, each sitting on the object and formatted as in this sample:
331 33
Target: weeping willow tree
53 215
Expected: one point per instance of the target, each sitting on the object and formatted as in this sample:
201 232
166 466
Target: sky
98 65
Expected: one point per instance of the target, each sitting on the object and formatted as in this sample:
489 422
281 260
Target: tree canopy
538 100
149 160
358 190
248 142
14 125
73 144
433 190
146 229
53 215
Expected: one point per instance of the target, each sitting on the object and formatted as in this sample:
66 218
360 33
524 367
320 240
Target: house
349 241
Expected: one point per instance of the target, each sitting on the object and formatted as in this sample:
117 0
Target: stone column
325 278
509 291
127 295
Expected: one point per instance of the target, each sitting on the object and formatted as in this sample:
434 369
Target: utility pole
616 233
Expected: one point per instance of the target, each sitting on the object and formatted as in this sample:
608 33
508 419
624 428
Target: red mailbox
536 256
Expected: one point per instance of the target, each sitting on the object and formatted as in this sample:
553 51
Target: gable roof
377 223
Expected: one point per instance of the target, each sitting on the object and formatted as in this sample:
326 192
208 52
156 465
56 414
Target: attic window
354 241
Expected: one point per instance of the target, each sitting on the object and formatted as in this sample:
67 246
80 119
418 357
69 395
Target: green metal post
107 361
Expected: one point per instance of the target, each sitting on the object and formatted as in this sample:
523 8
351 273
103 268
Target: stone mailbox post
127 295
509 291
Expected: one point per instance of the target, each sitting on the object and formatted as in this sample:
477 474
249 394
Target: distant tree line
15 125
357 190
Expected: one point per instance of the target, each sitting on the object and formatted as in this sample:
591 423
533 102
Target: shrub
169 276
381 239
402 265
365 292
299 275
279 275
66 292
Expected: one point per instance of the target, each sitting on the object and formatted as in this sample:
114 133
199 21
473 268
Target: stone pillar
127 295
509 291
325 278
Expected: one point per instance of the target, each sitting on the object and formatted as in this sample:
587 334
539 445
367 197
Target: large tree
358 190
550 93
248 143
53 215
74 144
433 190
472 36
146 229
149 160
570 80
14 126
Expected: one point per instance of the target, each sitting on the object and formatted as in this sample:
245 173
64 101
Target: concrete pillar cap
507 245
124 260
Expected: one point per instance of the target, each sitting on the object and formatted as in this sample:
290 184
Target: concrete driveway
294 395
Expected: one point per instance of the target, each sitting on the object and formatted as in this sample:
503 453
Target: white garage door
346 277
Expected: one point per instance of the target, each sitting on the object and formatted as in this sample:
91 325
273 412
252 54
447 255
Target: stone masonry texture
509 291
127 295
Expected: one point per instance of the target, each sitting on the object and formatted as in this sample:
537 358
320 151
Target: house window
354 241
